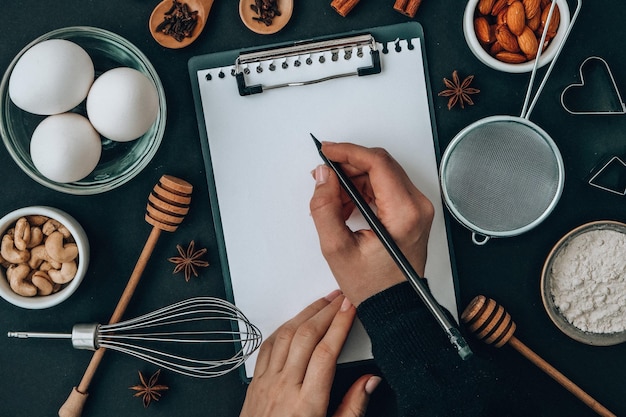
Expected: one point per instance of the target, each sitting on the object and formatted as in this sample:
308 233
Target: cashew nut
12 254
39 256
37 219
4 262
46 266
65 274
36 237
21 235
52 226
42 281
18 280
58 251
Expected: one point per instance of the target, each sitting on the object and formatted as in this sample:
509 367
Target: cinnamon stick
407 7
343 7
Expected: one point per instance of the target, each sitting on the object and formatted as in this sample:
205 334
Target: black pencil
403 263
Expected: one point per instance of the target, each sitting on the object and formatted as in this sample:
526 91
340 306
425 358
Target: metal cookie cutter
611 177
593 95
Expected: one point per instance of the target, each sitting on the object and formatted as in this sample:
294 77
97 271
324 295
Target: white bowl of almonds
505 34
44 255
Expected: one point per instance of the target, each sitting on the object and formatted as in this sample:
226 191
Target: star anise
189 260
149 390
459 92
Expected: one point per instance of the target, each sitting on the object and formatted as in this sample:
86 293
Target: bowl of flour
583 283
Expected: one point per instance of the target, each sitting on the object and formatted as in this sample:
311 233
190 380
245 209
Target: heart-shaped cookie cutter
615 109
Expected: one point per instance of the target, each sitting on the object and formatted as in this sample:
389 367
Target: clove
179 21
266 9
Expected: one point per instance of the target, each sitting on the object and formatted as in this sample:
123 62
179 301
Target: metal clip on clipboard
304 49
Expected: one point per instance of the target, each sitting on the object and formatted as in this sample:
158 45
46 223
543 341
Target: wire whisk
179 337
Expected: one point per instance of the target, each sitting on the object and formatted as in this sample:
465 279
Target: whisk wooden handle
168 204
493 325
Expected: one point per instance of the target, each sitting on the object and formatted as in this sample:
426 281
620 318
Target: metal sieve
503 175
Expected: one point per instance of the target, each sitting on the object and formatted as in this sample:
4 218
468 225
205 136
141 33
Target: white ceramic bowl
79 235
484 57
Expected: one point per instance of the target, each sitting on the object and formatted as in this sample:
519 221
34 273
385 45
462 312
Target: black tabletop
37 376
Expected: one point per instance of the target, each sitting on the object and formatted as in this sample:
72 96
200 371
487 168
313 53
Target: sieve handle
526 108
483 239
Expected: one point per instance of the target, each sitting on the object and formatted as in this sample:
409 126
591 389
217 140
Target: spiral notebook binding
298 54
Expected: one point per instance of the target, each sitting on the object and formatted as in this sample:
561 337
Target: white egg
65 147
122 104
52 77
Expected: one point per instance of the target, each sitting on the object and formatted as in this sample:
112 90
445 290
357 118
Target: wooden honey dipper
168 204
489 322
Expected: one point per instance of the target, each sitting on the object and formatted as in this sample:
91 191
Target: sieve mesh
501 176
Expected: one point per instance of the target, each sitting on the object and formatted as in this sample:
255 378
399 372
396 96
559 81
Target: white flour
589 281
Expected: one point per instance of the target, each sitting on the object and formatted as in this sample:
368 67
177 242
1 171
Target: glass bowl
79 236
557 317
120 161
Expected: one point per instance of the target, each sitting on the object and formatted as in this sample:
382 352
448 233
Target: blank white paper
262 156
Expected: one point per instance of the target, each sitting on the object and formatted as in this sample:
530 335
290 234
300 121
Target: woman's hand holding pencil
358 259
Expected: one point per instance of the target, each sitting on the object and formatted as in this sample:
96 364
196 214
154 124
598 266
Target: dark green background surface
37 376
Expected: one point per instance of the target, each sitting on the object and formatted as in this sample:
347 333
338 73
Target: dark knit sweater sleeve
419 363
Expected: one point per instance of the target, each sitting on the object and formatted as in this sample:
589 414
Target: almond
534 22
501 18
528 43
495 48
510 57
506 39
484 33
531 8
516 18
485 6
554 22
498 6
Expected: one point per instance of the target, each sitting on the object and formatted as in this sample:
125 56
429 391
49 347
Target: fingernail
372 384
321 174
332 295
345 306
